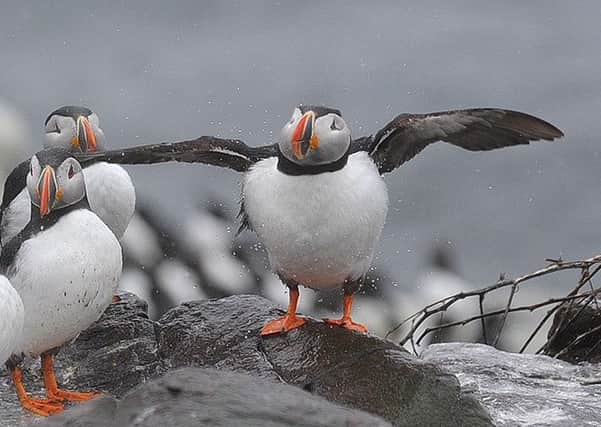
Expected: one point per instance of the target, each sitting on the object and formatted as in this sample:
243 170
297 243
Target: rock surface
575 335
193 397
360 371
524 389
125 349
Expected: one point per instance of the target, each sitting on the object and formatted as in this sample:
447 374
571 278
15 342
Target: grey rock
524 389
360 371
575 335
193 397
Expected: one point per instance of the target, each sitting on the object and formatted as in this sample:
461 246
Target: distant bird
110 191
64 264
317 200
11 318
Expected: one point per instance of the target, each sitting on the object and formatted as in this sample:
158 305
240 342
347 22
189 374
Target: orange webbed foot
43 407
52 390
283 324
347 323
60 395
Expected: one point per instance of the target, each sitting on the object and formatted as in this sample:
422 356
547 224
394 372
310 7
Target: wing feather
477 129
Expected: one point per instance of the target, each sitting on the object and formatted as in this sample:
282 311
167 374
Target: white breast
110 192
111 195
65 276
11 318
319 230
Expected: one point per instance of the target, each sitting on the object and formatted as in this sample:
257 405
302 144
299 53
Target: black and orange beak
84 138
48 190
303 136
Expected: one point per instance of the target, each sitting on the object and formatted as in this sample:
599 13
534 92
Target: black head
74 128
55 180
314 136
72 111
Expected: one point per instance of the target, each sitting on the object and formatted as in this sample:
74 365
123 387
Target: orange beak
48 191
85 139
303 136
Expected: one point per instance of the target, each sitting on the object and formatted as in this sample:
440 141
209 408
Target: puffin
316 198
64 265
110 191
11 319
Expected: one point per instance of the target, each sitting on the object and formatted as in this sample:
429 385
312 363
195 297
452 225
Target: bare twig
417 319
482 320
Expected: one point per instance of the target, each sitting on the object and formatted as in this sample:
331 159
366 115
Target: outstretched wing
227 153
477 129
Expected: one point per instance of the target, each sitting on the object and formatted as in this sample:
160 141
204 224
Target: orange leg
42 407
289 321
52 390
346 321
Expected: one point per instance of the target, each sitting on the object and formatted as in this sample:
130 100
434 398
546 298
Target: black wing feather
13 185
477 129
229 153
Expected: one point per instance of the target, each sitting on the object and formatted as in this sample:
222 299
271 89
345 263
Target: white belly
110 192
11 318
65 276
111 195
319 230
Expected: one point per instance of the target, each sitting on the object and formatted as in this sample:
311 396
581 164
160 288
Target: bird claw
283 324
60 395
347 323
43 407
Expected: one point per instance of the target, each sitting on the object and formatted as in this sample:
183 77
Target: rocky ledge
524 389
205 363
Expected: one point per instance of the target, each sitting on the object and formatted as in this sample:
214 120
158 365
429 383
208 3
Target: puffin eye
71 172
334 125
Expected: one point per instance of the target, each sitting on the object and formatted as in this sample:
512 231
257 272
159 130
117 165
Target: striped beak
84 139
303 136
48 191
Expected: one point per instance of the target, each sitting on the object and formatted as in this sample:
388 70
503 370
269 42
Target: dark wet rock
359 371
524 389
114 355
575 335
193 397
98 412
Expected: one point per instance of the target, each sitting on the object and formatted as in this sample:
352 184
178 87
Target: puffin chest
65 275
328 223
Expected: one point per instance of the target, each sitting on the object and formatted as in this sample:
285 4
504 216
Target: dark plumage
477 129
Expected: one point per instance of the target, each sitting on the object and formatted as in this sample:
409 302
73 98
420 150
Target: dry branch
575 296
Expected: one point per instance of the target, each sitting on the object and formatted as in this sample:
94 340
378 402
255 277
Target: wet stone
524 389
575 335
318 366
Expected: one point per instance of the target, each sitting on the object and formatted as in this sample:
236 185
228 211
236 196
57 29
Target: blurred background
162 72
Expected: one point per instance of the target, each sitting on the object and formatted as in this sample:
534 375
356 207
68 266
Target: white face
70 134
325 139
51 189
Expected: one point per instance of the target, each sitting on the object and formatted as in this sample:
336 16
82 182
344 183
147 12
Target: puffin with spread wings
317 199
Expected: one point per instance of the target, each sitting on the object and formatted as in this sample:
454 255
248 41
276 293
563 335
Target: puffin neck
288 167
40 222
